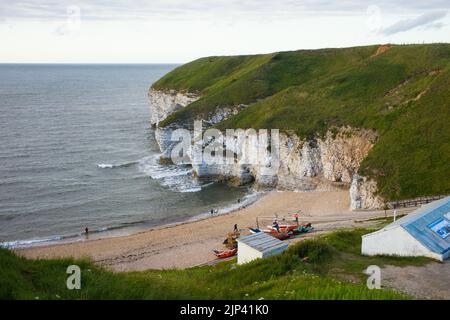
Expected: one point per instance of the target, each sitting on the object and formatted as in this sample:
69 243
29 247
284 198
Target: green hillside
329 267
403 93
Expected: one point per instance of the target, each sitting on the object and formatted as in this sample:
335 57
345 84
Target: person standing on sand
296 218
86 231
236 230
212 212
275 225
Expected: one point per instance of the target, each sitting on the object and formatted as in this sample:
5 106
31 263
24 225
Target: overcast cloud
186 9
426 19
143 31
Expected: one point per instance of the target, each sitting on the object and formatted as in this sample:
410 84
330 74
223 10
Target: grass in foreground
333 271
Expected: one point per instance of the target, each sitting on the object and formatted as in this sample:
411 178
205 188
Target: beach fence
414 202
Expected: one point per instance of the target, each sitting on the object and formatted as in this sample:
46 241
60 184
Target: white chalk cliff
163 103
324 162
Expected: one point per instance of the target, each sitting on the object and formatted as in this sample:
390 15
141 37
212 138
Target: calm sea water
77 151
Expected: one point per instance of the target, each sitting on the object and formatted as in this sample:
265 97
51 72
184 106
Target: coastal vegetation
327 267
401 91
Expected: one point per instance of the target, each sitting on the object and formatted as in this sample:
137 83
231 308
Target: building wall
396 242
247 253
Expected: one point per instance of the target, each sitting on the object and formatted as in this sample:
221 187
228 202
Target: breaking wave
119 165
174 177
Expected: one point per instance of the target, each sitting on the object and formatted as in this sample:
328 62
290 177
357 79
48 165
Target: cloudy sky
166 31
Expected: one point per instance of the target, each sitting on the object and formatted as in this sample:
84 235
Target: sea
77 151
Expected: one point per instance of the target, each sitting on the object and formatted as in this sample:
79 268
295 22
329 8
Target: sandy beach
191 243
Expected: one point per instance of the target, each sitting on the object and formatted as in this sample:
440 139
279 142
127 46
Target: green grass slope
402 93
333 271
251 78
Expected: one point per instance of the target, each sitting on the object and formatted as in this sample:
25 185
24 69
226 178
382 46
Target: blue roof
262 242
430 225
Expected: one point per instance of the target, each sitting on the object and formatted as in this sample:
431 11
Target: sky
178 31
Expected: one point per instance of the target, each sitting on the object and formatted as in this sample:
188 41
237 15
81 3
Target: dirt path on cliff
191 243
430 281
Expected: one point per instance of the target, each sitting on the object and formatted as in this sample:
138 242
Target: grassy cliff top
403 92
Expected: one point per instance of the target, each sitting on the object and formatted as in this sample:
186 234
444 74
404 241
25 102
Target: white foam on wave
57 238
105 166
118 165
28 243
174 177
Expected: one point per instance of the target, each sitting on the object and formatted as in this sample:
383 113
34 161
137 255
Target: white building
424 232
258 245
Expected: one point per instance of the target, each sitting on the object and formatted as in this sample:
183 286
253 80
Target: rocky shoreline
330 162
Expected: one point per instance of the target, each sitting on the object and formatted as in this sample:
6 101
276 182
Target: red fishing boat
225 253
280 235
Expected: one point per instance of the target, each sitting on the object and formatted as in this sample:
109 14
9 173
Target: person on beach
86 232
212 212
236 230
275 225
296 218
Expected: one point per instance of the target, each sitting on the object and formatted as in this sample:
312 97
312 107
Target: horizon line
223 55
93 63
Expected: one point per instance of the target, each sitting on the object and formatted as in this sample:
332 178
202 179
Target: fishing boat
304 228
274 233
279 234
222 254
